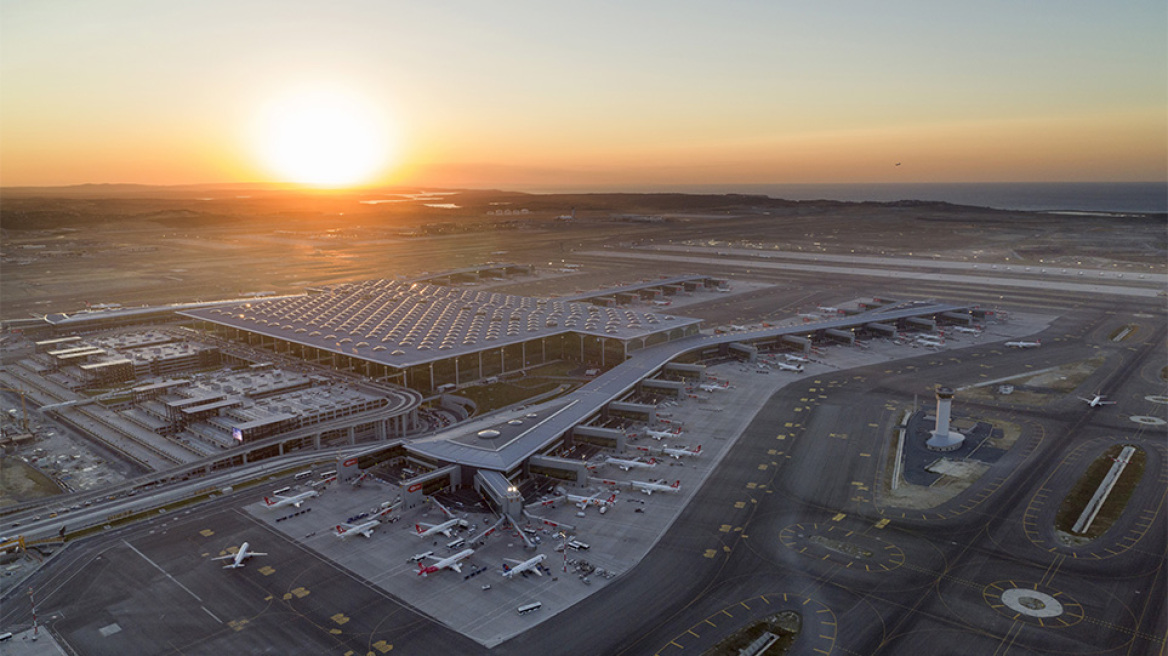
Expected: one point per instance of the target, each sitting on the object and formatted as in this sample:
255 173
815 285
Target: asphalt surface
793 518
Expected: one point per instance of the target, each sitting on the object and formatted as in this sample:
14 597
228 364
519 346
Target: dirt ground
148 246
20 482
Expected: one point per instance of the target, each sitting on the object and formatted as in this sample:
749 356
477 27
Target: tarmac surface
794 516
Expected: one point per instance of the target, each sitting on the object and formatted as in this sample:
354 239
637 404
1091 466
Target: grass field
1112 509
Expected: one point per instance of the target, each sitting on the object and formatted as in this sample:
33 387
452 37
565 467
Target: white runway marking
163 571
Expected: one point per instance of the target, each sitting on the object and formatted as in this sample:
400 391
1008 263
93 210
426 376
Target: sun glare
324 138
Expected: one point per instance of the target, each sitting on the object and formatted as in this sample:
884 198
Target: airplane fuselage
630 464
451 562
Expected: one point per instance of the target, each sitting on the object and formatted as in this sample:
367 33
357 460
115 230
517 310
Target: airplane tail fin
677 484
269 502
699 449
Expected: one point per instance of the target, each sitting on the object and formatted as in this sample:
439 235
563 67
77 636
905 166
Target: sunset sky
514 94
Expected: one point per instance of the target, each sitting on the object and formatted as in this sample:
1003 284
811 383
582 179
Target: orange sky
660 93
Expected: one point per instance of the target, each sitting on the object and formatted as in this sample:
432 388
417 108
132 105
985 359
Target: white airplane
294 500
1097 400
930 340
828 309
529 565
239 556
583 502
659 486
809 316
630 464
445 528
967 330
364 529
662 303
662 434
682 453
783 366
450 562
1024 345
711 387
795 358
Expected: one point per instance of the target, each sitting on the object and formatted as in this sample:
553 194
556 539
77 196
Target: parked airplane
795 358
681 453
662 434
630 464
711 387
809 316
529 565
966 329
1097 400
930 340
1024 345
583 502
364 529
445 528
659 486
294 500
829 310
450 562
737 329
662 303
239 556
783 366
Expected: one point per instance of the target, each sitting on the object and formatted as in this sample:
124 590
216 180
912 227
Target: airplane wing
456 567
228 556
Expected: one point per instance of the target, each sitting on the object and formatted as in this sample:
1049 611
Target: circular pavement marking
1148 421
1030 602
1156 398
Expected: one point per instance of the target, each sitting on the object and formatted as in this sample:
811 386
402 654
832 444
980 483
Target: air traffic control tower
944 439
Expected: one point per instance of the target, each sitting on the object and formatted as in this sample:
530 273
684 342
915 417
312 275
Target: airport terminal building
423 336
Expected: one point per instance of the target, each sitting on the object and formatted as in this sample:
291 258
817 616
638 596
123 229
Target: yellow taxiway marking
382 646
739 504
751 486
725 528
710 553
838 517
267 570
335 631
206 532
340 618
882 523
762 467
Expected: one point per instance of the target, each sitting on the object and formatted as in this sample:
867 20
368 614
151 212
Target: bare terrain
64 249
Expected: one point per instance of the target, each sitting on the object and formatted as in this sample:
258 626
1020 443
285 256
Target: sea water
1107 197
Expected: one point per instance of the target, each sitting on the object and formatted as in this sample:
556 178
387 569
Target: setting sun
326 138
